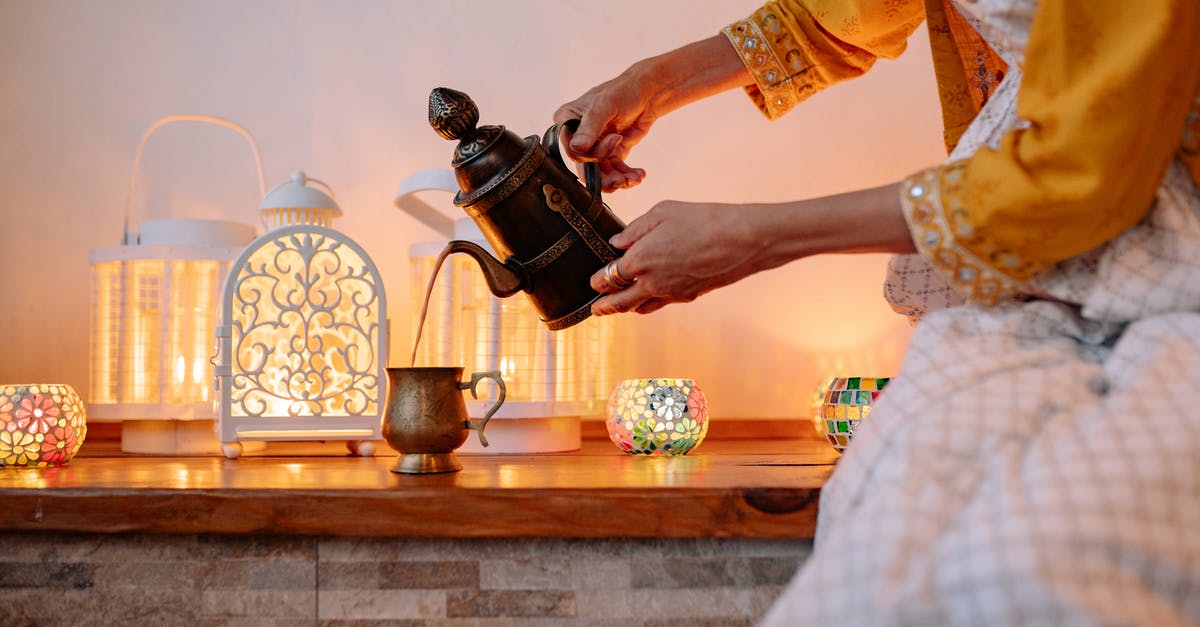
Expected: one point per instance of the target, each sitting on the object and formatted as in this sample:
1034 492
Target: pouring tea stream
552 233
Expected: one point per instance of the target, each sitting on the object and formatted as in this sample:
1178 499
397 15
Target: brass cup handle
476 377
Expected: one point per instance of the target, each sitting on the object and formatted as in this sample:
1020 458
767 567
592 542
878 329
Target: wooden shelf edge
594 429
683 513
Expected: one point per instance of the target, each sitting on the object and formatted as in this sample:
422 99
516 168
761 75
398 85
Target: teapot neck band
480 200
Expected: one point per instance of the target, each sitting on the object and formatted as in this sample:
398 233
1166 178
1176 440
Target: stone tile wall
74 579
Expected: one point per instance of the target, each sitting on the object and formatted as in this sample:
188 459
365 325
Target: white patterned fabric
1033 463
913 288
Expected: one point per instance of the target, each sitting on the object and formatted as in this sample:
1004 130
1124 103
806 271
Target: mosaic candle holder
40 424
657 416
817 406
847 401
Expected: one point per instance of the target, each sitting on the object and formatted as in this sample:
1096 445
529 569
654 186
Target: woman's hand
678 250
615 115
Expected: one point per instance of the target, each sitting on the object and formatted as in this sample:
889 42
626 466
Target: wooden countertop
738 488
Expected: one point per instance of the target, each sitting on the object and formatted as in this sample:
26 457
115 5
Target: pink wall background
339 89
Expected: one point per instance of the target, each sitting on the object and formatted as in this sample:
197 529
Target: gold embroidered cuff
775 60
930 198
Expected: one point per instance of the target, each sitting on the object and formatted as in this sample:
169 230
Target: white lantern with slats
154 303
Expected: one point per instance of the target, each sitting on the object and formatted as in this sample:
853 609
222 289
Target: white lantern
553 378
303 338
154 304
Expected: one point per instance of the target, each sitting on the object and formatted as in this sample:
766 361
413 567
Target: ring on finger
612 276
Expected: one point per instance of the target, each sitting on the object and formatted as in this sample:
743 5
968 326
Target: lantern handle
406 200
137 159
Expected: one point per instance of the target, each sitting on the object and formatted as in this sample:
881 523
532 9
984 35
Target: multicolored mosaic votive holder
40 424
657 416
847 401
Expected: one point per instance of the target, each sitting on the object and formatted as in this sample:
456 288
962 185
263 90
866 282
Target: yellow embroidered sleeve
794 48
1106 91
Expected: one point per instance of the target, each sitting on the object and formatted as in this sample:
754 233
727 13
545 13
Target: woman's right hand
613 117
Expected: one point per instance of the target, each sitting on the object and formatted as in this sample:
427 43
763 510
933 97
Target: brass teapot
550 230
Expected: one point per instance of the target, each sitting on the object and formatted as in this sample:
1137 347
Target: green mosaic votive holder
846 402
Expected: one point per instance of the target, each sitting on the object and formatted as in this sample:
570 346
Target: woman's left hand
674 253
680 250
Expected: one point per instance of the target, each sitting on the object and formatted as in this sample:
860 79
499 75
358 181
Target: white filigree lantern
303 339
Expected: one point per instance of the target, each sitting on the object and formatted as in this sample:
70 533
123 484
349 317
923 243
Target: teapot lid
454 116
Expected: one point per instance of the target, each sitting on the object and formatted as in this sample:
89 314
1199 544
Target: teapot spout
503 279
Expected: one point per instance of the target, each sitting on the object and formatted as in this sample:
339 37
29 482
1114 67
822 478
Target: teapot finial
452 113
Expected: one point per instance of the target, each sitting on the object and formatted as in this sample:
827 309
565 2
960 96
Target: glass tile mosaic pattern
40 425
657 416
847 401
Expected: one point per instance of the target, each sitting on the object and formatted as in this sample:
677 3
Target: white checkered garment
1036 463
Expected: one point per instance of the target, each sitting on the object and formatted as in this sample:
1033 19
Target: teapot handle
591 169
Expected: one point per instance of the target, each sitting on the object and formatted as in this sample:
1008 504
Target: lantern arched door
303 342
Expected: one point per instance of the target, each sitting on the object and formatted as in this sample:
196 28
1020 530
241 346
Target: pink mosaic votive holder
657 416
847 401
40 424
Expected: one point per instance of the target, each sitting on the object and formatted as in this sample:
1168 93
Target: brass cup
426 417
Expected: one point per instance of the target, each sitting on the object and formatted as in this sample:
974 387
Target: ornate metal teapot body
551 231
